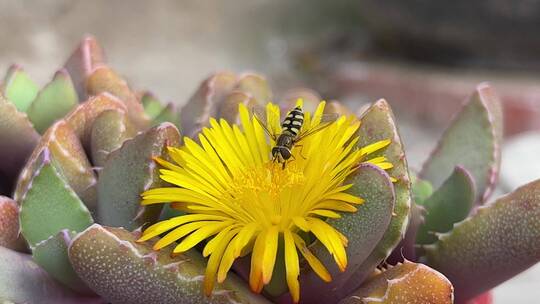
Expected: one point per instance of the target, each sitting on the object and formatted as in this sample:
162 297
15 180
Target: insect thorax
293 122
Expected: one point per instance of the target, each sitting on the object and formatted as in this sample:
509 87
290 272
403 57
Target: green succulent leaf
152 105
9 225
364 229
137 274
421 190
23 281
110 129
51 255
50 205
82 62
449 204
168 114
128 172
19 88
17 140
70 161
497 242
378 123
404 283
472 141
53 102
204 103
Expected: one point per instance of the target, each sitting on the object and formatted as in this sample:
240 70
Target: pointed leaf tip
473 140
497 242
449 204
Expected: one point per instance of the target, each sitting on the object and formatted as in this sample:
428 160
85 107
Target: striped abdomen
293 122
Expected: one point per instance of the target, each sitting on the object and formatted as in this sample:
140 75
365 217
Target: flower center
261 191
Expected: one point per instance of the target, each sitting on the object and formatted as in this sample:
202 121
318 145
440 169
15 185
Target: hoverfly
291 132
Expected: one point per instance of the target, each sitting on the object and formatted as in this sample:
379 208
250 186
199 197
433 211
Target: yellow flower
242 202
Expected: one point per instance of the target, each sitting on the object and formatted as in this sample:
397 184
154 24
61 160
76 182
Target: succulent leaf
255 86
497 242
404 283
311 99
19 88
204 103
9 225
82 118
421 190
129 171
228 109
378 123
70 160
104 80
23 281
152 105
363 229
449 204
168 114
134 273
17 139
54 101
50 205
110 129
337 108
51 255
472 141
82 63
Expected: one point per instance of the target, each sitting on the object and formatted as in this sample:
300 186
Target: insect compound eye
285 153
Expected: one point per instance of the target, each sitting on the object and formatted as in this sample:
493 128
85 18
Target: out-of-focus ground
170 46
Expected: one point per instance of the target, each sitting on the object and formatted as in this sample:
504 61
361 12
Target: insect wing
326 121
259 113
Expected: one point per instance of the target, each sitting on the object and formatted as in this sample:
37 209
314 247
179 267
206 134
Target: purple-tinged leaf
205 102
23 281
472 141
128 172
499 241
17 139
82 63
9 225
404 283
123 271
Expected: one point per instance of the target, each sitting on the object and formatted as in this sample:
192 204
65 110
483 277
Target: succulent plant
77 155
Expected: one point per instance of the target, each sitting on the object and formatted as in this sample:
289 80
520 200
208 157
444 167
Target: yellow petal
375 146
160 227
270 253
325 213
179 233
214 261
331 240
257 259
292 266
199 235
312 260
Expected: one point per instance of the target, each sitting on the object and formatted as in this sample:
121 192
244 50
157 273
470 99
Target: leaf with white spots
50 205
129 171
496 243
404 283
123 271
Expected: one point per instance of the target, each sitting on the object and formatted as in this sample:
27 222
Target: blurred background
424 57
